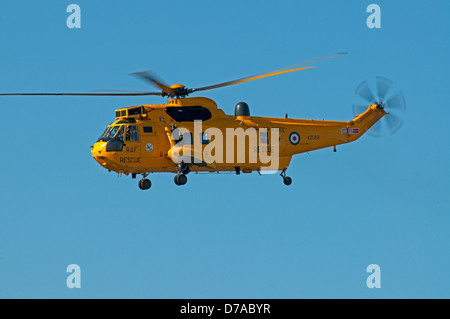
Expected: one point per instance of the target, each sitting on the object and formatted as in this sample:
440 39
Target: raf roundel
294 138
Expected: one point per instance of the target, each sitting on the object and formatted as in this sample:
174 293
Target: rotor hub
380 104
177 91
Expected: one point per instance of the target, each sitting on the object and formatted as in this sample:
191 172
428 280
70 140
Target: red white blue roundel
294 138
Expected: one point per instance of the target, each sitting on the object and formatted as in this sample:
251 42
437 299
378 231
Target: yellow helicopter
191 134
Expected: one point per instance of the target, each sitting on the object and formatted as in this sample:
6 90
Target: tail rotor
395 105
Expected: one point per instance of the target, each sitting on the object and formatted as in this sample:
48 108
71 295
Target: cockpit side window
119 134
132 133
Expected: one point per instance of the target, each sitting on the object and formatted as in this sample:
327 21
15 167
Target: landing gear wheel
180 179
287 181
144 184
183 168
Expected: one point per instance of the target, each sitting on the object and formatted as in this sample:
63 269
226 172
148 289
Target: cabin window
148 129
188 113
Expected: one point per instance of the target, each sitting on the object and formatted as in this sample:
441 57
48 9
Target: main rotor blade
250 78
312 61
122 91
86 94
149 77
363 91
288 69
383 86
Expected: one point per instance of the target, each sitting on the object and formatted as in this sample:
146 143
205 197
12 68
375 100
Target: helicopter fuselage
194 132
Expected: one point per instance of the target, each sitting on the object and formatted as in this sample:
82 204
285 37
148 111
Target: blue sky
375 201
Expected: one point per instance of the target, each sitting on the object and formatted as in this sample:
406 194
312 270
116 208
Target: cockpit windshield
113 131
104 133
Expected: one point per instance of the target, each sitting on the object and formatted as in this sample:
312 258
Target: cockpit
117 133
120 130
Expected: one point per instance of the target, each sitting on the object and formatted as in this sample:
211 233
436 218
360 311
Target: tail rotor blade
397 102
395 106
383 85
358 109
375 130
393 122
363 91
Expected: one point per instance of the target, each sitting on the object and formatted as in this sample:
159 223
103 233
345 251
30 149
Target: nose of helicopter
98 151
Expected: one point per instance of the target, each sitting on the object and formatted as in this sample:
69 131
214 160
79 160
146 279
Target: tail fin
364 121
